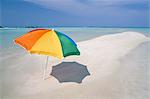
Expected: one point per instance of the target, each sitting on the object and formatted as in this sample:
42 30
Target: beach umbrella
48 42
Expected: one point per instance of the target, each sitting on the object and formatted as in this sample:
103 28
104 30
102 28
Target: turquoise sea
7 35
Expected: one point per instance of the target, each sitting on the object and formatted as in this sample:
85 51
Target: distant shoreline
73 27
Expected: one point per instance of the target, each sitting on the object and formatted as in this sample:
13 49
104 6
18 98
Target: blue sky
116 13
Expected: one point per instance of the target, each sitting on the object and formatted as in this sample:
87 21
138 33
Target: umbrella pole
45 68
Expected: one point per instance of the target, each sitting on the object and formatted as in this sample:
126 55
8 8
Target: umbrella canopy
48 42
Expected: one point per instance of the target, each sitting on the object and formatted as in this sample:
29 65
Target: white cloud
85 7
69 6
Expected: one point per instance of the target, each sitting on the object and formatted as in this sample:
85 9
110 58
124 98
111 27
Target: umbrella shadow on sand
70 72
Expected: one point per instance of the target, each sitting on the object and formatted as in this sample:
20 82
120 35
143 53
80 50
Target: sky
108 13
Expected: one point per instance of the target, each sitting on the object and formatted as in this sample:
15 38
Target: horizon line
73 26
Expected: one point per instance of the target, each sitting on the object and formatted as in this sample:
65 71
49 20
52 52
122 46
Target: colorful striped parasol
49 43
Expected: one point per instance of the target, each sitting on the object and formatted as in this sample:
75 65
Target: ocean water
7 35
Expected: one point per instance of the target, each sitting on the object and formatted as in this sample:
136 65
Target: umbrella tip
52 29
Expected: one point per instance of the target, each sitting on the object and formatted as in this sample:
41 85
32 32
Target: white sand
118 65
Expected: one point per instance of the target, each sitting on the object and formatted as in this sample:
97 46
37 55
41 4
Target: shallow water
7 35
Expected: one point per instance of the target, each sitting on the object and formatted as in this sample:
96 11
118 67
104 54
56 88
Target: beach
118 65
